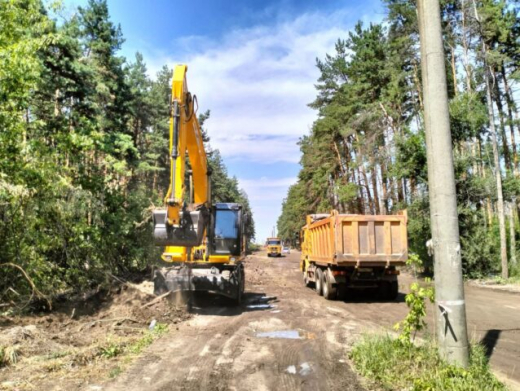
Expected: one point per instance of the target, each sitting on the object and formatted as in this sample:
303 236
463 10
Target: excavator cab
226 229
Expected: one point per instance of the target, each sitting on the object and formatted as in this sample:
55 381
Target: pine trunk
500 108
496 159
511 107
512 233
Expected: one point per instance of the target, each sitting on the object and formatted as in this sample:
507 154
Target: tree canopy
83 150
366 151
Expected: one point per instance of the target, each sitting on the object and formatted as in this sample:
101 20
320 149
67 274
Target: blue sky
252 63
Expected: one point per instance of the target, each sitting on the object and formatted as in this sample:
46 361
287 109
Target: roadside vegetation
393 365
366 151
87 338
83 152
406 362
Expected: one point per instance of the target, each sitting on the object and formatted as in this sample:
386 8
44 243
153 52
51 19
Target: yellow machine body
205 243
274 247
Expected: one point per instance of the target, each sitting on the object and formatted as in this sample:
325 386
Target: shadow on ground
203 303
370 296
490 340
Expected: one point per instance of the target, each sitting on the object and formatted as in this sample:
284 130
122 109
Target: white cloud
265 188
258 81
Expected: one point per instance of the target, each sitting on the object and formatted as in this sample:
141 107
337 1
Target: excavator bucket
188 234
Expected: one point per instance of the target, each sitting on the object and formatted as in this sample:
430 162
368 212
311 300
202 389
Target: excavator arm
183 221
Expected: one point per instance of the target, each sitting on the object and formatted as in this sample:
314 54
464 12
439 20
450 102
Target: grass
393 365
515 280
150 336
115 372
115 348
8 355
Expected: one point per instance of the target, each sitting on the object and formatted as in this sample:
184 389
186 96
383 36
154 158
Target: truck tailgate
355 240
371 240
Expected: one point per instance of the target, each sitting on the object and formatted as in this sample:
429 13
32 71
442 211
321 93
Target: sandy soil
83 339
283 337
228 348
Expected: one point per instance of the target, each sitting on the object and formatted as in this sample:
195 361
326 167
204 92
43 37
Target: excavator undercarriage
224 280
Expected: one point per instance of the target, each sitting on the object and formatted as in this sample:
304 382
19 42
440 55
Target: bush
394 365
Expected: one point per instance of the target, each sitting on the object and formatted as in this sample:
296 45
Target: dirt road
285 337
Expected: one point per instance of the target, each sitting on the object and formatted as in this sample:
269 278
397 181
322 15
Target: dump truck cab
274 247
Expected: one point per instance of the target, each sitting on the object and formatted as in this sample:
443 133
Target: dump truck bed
356 240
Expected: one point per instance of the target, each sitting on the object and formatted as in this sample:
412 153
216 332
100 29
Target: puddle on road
260 306
284 334
305 369
287 334
260 301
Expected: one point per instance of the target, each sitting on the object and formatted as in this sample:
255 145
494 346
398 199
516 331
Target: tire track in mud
219 348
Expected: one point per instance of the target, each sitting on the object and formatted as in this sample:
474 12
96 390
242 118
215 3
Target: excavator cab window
227 229
226 224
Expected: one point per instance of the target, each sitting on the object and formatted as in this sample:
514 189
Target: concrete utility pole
450 305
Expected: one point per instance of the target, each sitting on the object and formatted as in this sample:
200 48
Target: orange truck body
354 251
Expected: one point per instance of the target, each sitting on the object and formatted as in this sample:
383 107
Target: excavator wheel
241 285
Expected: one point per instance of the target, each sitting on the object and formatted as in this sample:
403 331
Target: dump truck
342 251
274 247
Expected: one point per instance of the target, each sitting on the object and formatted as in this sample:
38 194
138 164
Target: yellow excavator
205 243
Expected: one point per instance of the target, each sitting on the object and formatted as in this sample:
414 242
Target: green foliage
366 152
111 350
149 336
115 348
393 365
83 150
8 355
414 320
416 302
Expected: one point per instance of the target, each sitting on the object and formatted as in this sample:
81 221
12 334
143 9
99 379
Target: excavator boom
179 224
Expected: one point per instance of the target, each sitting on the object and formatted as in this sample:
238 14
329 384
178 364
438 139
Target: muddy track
286 337
224 348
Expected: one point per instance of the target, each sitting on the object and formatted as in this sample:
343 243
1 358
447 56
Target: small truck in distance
274 247
341 251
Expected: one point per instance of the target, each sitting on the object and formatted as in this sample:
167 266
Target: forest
366 151
83 151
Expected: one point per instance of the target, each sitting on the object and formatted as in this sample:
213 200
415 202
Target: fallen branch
156 300
120 280
35 290
115 320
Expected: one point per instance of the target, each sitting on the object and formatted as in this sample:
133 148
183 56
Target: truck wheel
342 292
383 290
319 282
306 281
394 290
329 291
